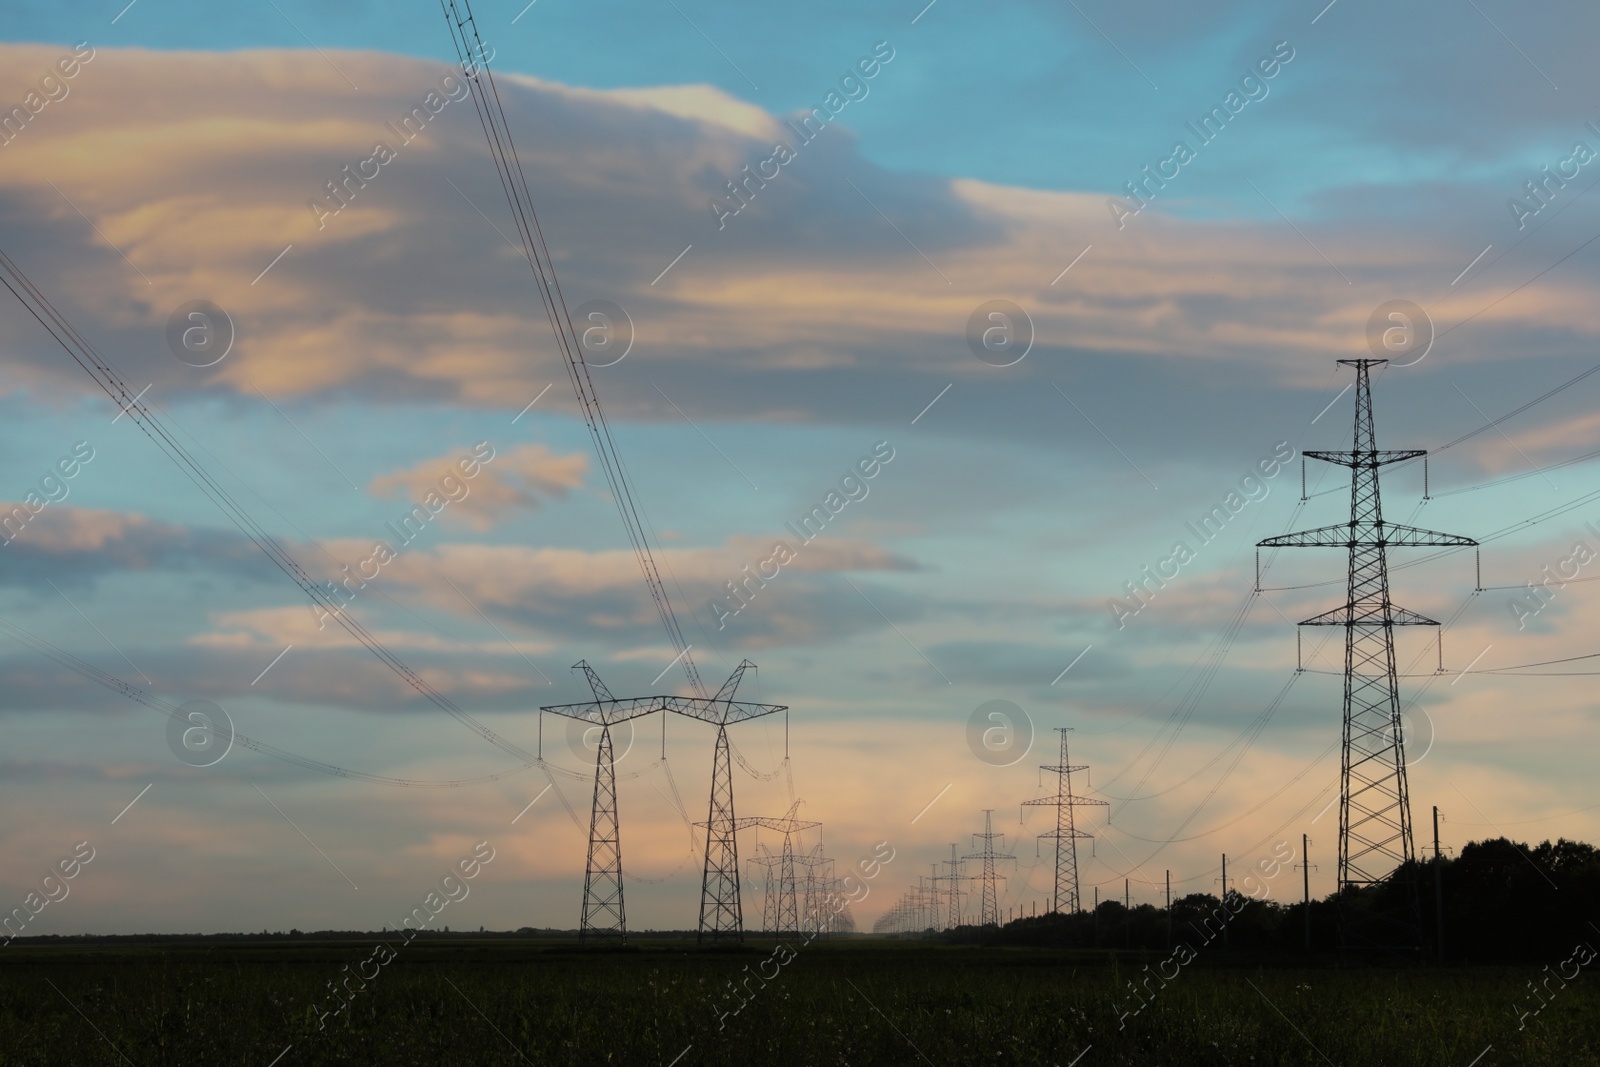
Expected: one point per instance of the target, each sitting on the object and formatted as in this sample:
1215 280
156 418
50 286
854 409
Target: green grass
862 1002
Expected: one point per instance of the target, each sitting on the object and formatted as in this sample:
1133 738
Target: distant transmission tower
953 879
765 859
814 913
1374 805
1066 834
990 910
787 918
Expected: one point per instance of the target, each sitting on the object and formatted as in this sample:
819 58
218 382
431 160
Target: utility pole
1374 802
1438 883
1306 867
1225 913
1127 916
1169 910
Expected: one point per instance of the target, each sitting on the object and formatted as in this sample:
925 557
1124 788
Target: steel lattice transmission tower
721 913
1066 833
603 915
989 914
1374 805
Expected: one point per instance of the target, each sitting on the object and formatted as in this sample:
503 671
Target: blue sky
1168 357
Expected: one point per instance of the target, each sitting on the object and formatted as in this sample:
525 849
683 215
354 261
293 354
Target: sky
757 349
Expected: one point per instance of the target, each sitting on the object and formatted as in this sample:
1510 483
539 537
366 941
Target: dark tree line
1503 901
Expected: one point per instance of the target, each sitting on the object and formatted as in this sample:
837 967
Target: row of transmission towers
928 907
1375 832
1375 828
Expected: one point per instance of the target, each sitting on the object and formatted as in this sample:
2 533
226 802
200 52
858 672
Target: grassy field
856 1002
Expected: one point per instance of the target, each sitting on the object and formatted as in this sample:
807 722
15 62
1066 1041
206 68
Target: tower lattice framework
1375 836
989 909
1066 834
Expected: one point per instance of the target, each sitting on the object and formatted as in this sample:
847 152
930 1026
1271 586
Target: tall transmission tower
1066 833
721 915
990 908
602 879
603 916
1374 805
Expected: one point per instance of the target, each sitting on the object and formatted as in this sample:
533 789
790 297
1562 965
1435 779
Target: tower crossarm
1065 798
606 712
783 826
1377 457
1369 615
612 711
719 712
1367 535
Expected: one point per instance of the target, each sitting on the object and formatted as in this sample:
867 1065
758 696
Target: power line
472 53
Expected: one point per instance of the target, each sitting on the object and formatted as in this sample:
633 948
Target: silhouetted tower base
721 913
603 917
1375 837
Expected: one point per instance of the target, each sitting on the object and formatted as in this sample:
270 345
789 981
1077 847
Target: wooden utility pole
1305 866
1169 910
1438 883
1225 915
